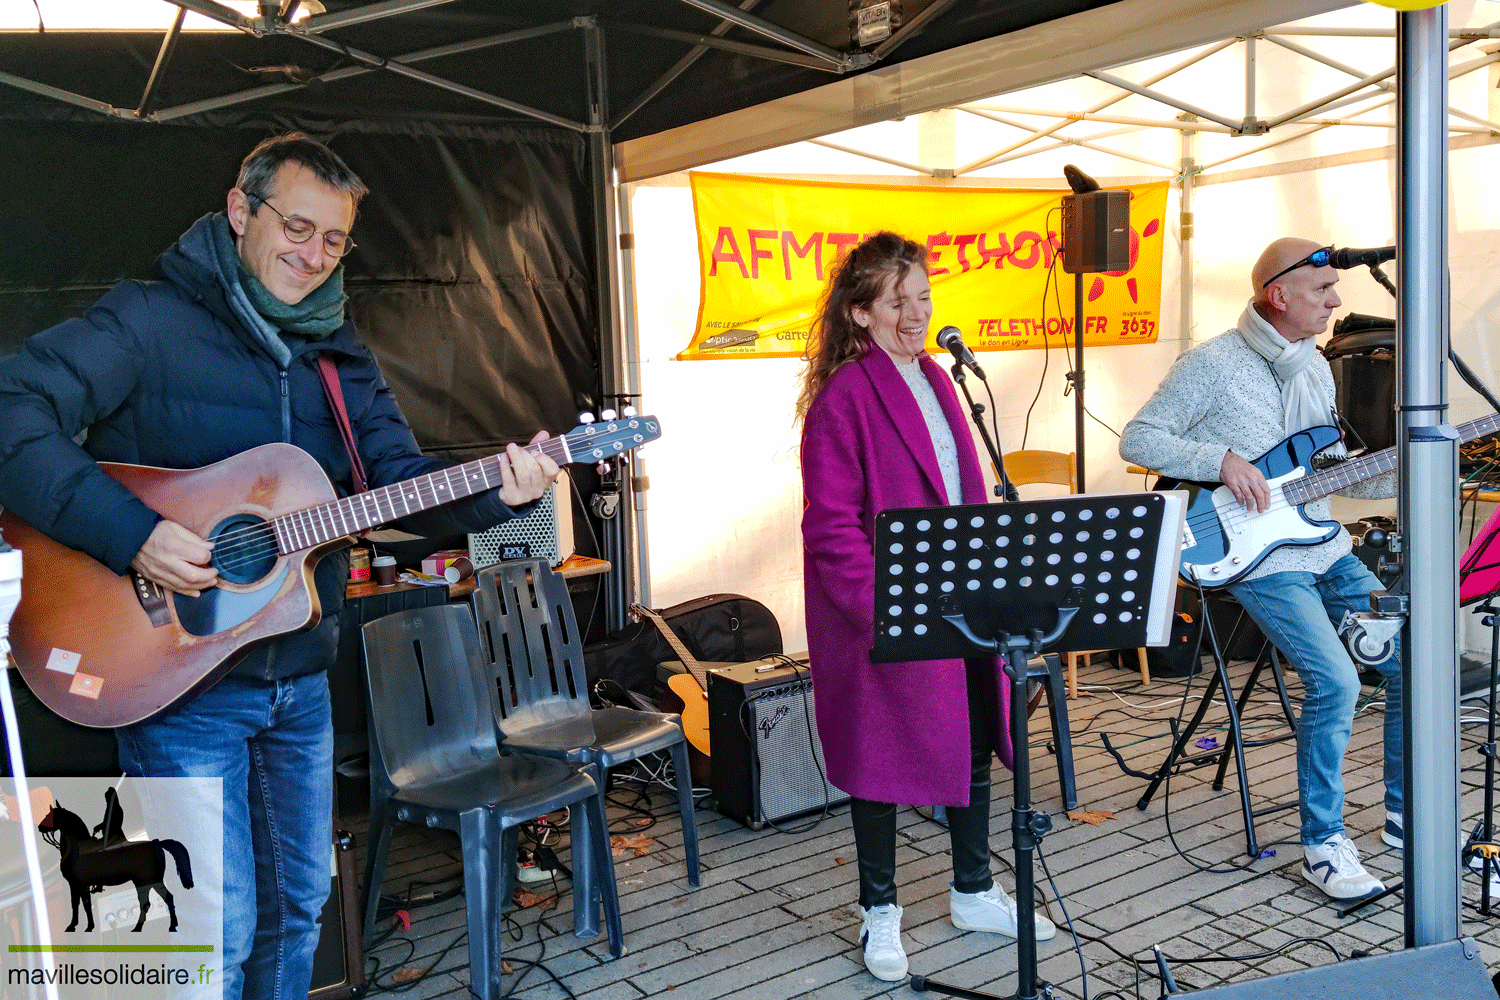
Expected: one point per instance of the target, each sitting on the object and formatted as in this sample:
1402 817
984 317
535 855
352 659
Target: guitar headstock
598 441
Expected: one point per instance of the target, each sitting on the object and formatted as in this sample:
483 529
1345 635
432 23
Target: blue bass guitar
1224 541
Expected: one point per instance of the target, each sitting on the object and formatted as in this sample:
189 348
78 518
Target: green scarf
316 316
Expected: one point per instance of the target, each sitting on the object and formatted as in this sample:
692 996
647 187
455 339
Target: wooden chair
1059 469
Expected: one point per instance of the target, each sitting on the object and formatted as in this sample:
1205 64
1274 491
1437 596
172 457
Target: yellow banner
765 248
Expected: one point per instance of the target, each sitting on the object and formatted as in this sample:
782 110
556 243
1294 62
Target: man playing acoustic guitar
1225 403
217 356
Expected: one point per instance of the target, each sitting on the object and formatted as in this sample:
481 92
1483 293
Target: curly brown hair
878 262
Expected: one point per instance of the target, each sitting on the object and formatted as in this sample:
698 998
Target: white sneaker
880 936
993 911
1334 867
1394 835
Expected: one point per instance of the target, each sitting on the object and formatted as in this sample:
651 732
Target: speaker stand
1075 377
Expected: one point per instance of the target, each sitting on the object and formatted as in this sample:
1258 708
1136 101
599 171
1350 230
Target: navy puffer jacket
161 373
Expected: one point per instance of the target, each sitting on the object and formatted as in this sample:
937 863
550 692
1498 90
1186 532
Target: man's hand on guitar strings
524 477
176 559
1246 482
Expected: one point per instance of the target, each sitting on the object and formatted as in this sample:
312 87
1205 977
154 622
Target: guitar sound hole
244 548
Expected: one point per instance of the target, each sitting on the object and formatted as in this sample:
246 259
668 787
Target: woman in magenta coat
882 428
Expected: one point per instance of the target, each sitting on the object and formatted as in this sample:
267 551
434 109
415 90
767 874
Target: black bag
1239 637
722 628
1181 656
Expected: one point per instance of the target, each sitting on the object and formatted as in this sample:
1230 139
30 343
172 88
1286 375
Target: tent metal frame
623 534
1428 466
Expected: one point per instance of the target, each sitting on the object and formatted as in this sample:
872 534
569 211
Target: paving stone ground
775 917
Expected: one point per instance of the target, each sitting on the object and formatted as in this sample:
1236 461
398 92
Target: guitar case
717 628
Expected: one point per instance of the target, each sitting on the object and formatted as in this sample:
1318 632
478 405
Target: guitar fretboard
688 660
1320 484
594 442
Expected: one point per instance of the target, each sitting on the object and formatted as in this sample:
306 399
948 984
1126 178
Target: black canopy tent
485 278
487 274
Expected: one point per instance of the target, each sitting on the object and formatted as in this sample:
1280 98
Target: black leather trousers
968 826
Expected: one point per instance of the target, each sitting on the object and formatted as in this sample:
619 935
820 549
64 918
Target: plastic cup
383 568
459 569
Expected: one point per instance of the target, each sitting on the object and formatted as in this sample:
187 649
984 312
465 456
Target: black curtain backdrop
472 281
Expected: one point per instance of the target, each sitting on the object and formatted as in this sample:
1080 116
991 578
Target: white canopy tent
1294 134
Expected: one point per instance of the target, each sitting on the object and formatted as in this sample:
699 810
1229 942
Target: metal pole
617 523
1079 414
1250 80
1185 233
640 483
1428 507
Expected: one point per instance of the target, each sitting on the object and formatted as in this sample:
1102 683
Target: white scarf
1304 401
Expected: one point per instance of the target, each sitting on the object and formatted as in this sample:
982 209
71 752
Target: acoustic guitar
691 688
106 650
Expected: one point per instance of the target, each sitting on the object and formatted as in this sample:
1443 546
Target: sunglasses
1318 258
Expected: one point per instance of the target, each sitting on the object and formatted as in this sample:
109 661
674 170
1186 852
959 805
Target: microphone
1347 257
950 339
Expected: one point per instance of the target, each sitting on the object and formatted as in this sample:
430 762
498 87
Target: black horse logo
86 861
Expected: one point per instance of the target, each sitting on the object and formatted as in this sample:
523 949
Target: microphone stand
1003 488
1470 377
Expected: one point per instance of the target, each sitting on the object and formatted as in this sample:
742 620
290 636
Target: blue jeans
1298 612
272 743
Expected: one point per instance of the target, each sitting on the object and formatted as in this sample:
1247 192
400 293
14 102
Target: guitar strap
335 393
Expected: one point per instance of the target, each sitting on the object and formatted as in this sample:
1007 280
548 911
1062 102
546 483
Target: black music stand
1479 583
1013 580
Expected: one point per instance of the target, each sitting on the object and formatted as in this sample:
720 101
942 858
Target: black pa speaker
1096 232
767 760
1452 970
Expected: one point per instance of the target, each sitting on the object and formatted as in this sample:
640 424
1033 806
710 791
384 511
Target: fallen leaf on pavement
641 845
1093 817
525 899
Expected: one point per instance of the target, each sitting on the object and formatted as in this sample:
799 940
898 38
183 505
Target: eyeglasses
1318 258
335 243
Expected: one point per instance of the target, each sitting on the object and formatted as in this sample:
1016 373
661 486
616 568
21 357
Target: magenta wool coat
891 732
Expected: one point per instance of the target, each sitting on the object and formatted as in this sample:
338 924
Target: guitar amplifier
767 760
545 533
339 961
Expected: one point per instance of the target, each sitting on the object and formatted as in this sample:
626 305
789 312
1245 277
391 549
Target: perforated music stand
1013 580
1479 583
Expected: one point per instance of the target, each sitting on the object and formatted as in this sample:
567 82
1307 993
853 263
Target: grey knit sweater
1222 396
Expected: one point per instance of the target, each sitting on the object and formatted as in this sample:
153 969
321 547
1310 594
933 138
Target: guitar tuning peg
607 414
585 418
629 411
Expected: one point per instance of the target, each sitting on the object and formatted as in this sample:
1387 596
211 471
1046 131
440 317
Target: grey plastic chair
434 761
530 644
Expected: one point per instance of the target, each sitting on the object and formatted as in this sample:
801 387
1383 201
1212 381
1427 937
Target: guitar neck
688 660
590 442
1357 470
353 514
